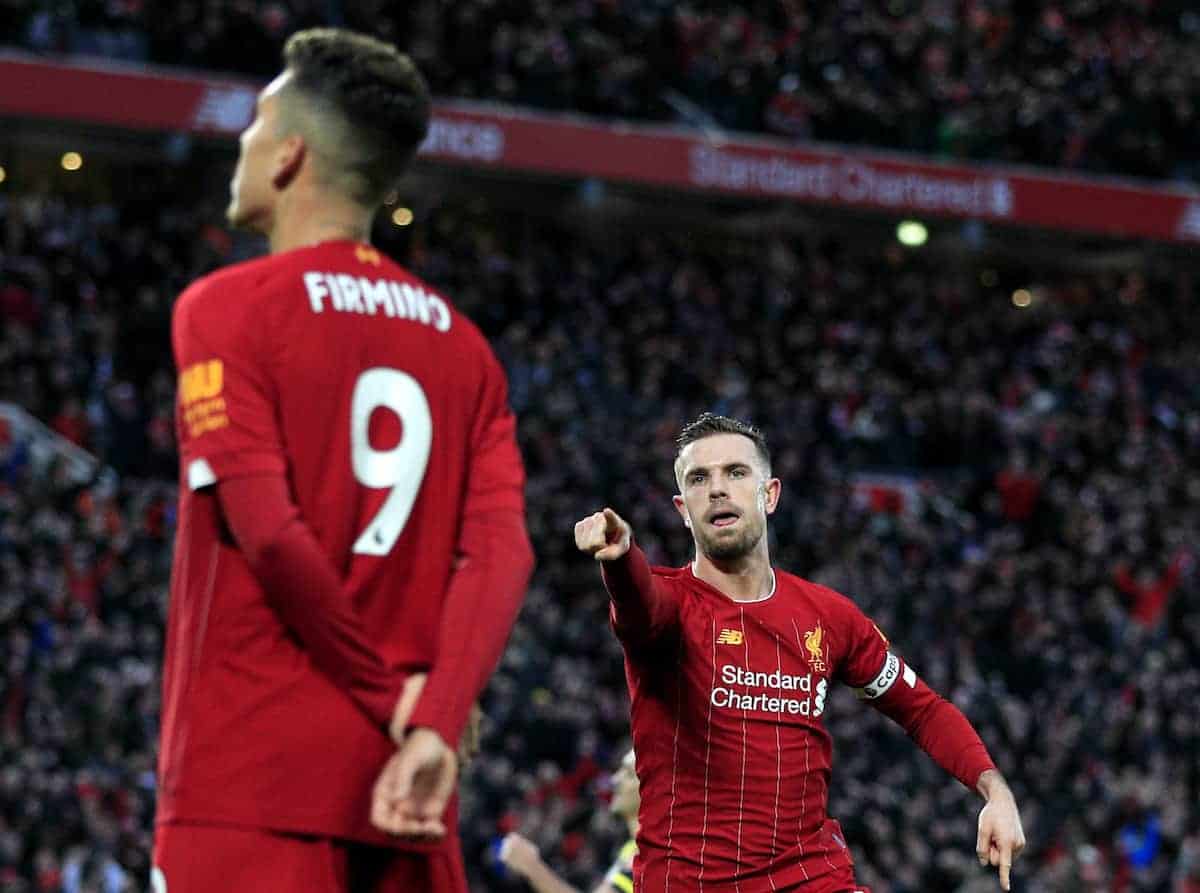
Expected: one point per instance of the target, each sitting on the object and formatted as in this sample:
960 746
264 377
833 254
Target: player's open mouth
723 518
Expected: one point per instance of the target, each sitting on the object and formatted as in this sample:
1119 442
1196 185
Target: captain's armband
893 668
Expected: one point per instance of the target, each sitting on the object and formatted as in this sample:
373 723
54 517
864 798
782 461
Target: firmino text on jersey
375 297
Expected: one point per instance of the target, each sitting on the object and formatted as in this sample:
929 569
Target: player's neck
312 219
746 579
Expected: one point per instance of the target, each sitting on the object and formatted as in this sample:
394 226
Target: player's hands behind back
415 786
413 686
605 535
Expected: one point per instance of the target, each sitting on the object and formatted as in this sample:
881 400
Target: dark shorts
214 858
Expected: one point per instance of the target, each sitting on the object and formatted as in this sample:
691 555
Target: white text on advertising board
850 181
464 140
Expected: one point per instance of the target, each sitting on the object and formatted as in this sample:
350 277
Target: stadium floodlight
402 216
72 161
912 233
3 174
1022 297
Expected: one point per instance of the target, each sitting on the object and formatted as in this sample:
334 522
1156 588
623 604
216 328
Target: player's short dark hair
709 423
376 94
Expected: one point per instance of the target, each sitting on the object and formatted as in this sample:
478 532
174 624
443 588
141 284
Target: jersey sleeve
494 561
643 610
867 663
883 679
497 477
225 402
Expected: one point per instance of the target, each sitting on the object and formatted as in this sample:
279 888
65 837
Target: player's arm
232 451
304 588
521 857
493 564
939 728
642 610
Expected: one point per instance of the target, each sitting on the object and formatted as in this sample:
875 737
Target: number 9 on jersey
400 469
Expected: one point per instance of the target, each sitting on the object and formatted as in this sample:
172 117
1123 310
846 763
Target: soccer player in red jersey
351 549
729 663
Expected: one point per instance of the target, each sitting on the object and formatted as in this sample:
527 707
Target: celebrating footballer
729 663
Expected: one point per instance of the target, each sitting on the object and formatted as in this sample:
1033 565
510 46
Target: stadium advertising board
499 137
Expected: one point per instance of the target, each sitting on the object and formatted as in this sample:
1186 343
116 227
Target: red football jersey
732 752
388 413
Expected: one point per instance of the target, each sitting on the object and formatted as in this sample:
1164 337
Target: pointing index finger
1005 864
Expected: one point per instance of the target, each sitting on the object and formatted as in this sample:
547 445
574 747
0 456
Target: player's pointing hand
1001 836
605 535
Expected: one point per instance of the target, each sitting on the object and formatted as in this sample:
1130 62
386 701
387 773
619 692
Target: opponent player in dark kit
729 663
351 550
520 856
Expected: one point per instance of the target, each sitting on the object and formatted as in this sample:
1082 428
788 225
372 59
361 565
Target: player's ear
289 158
771 490
682 509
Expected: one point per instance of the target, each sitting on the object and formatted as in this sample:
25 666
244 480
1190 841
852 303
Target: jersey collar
691 567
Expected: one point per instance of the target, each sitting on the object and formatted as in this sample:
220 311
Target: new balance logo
730 637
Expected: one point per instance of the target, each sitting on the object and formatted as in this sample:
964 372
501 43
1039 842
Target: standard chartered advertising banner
851 181
486 135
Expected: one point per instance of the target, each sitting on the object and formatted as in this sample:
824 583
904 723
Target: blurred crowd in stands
1099 85
1012 493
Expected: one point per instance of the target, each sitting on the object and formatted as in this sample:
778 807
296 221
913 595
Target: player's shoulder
820 595
469 342
675 576
460 323
684 585
215 290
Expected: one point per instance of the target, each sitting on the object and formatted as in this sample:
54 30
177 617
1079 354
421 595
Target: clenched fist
605 535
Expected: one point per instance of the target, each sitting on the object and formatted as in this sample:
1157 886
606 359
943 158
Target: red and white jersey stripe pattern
728 727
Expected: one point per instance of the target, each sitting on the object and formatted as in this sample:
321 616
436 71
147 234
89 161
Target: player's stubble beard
733 548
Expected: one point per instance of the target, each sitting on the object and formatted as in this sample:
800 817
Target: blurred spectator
1148 593
1187 867
1101 86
